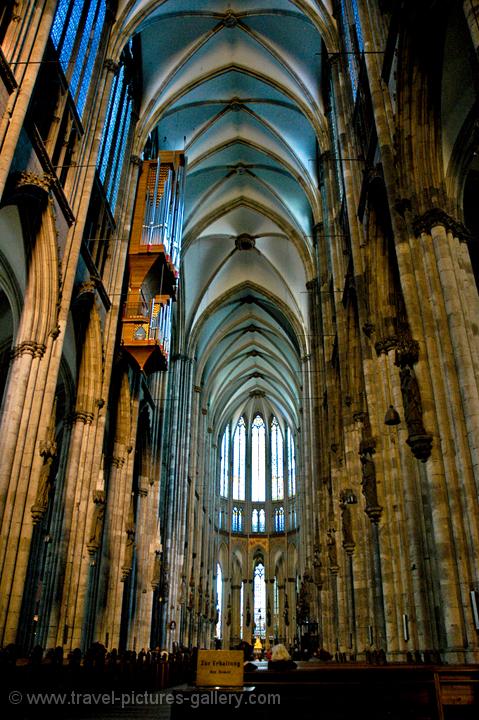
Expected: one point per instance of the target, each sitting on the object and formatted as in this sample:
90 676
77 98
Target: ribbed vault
238 87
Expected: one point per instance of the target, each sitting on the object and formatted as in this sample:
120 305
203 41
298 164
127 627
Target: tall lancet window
277 486
279 520
291 464
219 598
225 461
258 460
258 521
239 465
259 600
237 521
76 33
353 39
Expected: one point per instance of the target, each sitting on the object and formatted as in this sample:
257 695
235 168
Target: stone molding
423 224
28 347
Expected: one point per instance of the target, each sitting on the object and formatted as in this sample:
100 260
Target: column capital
28 347
82 416
423 224
111 66
26 178
385 344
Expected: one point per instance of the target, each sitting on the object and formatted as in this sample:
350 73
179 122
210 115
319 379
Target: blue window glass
119 155
357 25
110 122
114 138
237 522
353 40
89 49
335 146
76 32
258 521
279 520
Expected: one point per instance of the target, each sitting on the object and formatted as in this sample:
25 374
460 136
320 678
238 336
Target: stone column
21 431
26 68
140 622
373 510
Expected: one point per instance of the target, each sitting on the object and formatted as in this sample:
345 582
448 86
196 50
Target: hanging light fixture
392 416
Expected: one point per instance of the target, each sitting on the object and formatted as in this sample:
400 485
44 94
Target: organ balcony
153 258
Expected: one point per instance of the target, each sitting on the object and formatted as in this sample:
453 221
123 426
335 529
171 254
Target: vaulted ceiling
237 86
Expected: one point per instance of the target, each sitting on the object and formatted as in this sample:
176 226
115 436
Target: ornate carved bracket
384 345
423 224
28 347
407 351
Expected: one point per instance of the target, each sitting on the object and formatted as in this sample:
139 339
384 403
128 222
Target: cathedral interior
239 326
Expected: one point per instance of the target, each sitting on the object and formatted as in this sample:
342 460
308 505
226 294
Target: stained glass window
115 136
262 521
219 598
237 521
357 25
225 459
258 520
335 145
291 464
279 520
239 466
353 39
259 601
258 460
76 34
277 481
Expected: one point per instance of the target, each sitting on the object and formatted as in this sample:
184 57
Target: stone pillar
140 622
119 529
31 48
178 485
21 431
